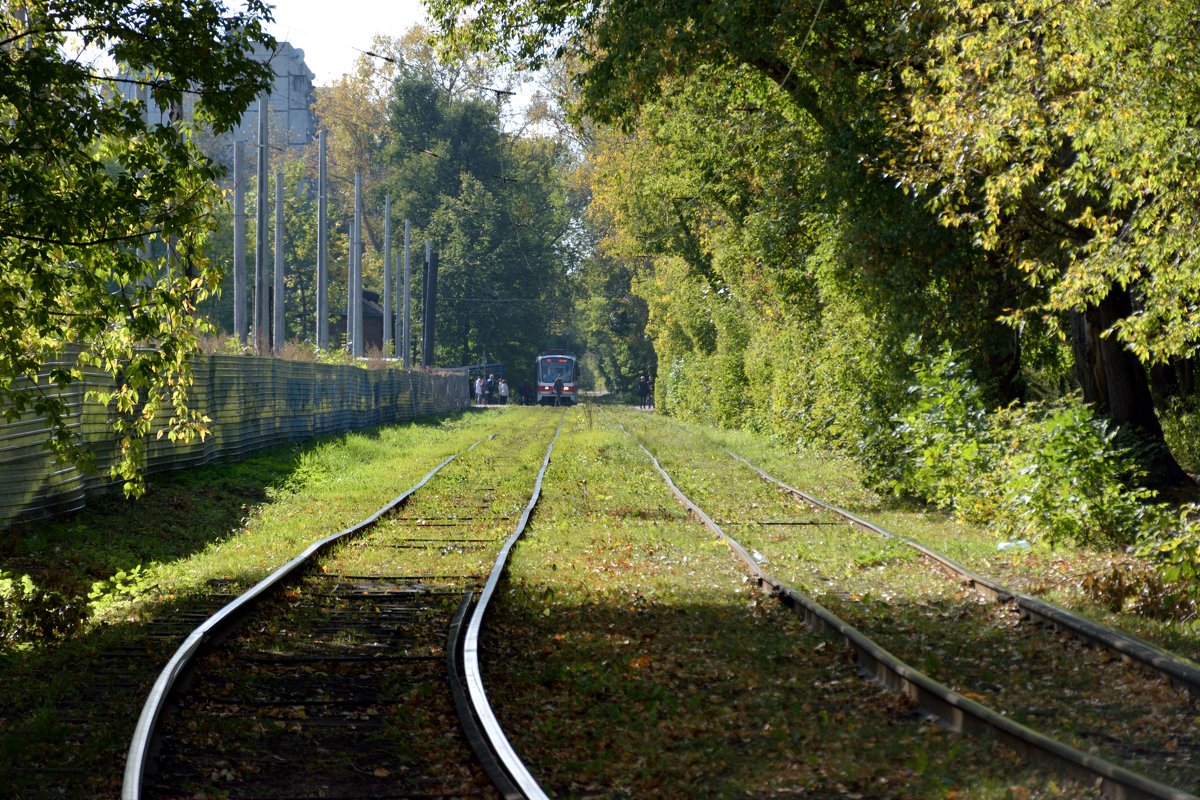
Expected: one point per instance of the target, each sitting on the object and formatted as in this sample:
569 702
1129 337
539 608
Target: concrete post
405 333
241 324
278 330
260 245
322 321
357 249
387 271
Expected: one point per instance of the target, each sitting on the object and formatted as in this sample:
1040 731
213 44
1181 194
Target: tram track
341 681
1087 751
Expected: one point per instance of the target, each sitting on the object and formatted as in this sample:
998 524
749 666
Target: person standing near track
643 390
503 389
558 390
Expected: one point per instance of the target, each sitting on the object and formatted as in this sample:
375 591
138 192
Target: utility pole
430 306
260 244
387 271
404 314
322 249
350 291
357 245
241 325
278 331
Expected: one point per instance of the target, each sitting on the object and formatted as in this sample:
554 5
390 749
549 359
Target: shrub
1181 428
121 587
943 434
1173 543
1059 472
1053 470
29 613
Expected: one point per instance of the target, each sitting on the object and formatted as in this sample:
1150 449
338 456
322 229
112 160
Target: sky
332 32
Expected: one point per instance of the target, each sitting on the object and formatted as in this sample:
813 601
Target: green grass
213 529
627 651
634 659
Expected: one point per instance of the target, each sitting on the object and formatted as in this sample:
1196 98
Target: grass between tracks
65 719
1082 696
622 676
1100 584
630 656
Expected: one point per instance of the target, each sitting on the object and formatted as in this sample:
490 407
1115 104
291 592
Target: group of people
492 390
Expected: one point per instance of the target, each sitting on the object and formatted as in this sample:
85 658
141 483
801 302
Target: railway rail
1089 759
339 676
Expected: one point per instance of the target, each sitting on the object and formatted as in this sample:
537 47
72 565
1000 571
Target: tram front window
552 370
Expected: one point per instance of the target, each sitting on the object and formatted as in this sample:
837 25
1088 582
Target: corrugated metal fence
253 403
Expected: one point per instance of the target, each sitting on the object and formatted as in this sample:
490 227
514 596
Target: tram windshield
553 368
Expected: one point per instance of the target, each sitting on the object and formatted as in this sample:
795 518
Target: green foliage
1052 471
944 433
612 320
121 587
104 220
1080 166
30 614
1173 546
1062 475
496 208
1181 429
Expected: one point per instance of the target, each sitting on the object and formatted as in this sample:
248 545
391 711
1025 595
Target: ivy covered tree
986 175
104 214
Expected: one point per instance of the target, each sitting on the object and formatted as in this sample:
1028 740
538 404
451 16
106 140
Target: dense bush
29 613
1180 420
1052 470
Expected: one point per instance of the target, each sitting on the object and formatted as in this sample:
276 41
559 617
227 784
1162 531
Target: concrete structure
292 122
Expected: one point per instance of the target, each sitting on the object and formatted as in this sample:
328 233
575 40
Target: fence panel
253 403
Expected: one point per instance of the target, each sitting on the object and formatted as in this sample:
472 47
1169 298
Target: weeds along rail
955 709
1182 674
334 676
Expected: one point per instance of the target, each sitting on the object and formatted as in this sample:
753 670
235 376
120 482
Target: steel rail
1181 673
956 711
221 624
476 736
524 781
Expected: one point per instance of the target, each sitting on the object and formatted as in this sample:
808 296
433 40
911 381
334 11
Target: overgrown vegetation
800 190
612 564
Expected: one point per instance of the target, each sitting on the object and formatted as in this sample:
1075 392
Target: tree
823 69
105 215
1062 136
493 204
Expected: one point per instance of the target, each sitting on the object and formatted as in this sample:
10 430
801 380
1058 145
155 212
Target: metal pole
240 323
404 326
278 331
358 248
430 306
322 250
260 228
387 271
350 290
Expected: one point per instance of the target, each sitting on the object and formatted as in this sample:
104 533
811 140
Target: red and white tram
557 379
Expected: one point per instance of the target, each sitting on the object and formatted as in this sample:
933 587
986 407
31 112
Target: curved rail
511 763
956 711
222 624
1181 673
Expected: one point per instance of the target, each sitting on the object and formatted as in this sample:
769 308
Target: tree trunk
1115 383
